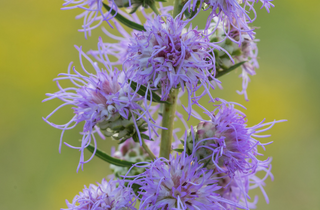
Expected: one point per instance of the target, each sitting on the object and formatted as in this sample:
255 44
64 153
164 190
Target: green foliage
104 156
124 20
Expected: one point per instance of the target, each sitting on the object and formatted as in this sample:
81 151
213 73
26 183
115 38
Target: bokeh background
36 43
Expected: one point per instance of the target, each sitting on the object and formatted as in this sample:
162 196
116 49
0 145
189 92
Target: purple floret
110 195
179 183
168 55
105 103
232 13
228 142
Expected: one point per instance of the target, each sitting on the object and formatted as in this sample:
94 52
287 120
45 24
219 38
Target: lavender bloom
179 183
226 144
168 55
247 51
232 13
110 195
93 12
237 188
104 101
119 49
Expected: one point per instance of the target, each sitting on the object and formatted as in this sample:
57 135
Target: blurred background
36 43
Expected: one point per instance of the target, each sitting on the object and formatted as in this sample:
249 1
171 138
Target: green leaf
179 150
192 12
143 91
124 20
135 137
104 156
206 164
221 73
144 136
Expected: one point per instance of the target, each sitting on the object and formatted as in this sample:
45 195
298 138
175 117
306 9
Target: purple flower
94 13
179 183
232 13
237 188
110 195
247 51
105 103
168 55
119 49
226 144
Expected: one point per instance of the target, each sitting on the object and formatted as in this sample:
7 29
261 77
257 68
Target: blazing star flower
225 143
232 13
237 188
247 52
104 102
179 183
168 55
94 13
119 49
110 195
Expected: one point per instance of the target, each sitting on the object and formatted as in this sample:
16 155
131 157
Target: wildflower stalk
154 8
169 109
146 148
176 8
167 122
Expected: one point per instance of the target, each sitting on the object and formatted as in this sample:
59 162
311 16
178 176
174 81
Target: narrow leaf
179 150
124 20
135 138
144 136
206 164
221 73
143 91
104 156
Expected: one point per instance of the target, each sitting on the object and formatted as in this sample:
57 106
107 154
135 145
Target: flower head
119 48
232 13
104 102
246 52
237 189
168 55
179 183
225 143
110 195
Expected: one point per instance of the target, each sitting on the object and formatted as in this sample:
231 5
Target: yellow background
36 43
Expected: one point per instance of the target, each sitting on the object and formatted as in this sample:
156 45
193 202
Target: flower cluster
179 183
232 13
225 142
218 164
112 195
168 55
246 53
104 101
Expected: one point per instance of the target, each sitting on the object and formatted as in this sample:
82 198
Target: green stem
176 8
167 122
154 8
146 148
